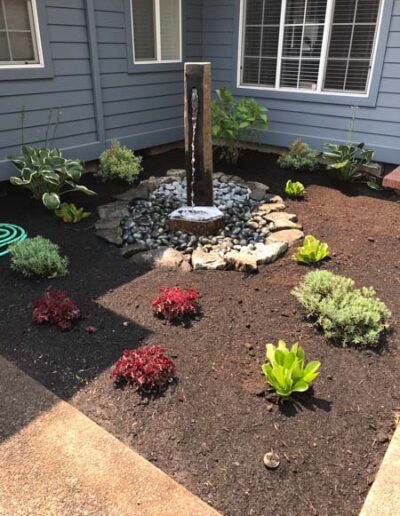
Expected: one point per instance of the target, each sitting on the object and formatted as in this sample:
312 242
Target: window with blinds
156 30
19 43
315 45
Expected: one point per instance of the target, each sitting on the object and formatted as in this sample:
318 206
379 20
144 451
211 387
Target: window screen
18 43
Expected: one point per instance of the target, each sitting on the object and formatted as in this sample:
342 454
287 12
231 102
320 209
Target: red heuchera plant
55 307
175 304
147 368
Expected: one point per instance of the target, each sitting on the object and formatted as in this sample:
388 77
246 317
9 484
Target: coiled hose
10 234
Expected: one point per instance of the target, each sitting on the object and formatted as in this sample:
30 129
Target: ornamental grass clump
38 256
55 307
119 162
176 305
147 368
286 371
345 314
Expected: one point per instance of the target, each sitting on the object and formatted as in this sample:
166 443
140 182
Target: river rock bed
139 222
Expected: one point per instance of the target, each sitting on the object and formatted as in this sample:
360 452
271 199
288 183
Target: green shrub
38 256
48 175
350 161
295 189
119 162
71 214
234 121
344 313
300 158
285 370
312 251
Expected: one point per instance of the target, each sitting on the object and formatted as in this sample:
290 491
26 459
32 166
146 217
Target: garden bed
211 430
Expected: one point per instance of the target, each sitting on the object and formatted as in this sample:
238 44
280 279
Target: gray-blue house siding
91 81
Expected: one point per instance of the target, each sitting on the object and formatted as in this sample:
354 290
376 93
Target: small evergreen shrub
38 256
146 368
312 251
175 304
55 307
345 314
286 371
300 158
119 162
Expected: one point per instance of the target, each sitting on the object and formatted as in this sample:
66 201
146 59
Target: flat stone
281 220
107 223
178 173
130 250
162 257
268 253
117 209
113 236
278 216
258 191
134 194
290 236
244 262
207 261
273 198
185 266
271 207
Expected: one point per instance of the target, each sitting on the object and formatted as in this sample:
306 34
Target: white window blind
157 30
317 45
18 38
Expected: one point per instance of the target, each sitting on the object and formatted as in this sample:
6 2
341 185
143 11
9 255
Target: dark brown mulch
211 430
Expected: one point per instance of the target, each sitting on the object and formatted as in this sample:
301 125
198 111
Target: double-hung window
19 34
312 45
157 31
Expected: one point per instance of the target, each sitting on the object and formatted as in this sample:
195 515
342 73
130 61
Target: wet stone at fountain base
197 220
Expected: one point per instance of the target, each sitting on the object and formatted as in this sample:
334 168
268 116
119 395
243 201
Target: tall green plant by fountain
233 122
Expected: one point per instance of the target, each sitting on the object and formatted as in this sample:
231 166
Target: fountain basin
197 220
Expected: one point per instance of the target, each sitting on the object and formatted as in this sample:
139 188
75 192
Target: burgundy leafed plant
148 368
55 307
175 304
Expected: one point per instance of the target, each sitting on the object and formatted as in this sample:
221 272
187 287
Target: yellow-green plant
286 371
70 214
312 251
348 315
295 189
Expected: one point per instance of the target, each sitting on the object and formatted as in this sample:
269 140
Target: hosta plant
286 370
295 189
300 157
350 161
48 175
234 121
312 251
147 368
347 315
70 214
55 307
176 305
119 162
38 256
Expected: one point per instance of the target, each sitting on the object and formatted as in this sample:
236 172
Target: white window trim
37 43
324 52
159 60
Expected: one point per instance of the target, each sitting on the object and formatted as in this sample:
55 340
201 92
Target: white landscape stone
207 261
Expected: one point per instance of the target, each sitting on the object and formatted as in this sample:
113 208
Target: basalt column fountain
200 216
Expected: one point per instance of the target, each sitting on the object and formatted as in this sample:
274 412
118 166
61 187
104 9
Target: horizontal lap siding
142 108
69 93
315 122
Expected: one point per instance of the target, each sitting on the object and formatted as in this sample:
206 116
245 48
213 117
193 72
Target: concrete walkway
384 496
54 461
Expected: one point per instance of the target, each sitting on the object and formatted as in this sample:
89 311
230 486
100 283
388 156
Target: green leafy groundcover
345 314
312 251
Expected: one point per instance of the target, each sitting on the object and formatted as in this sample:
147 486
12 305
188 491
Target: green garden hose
10 234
